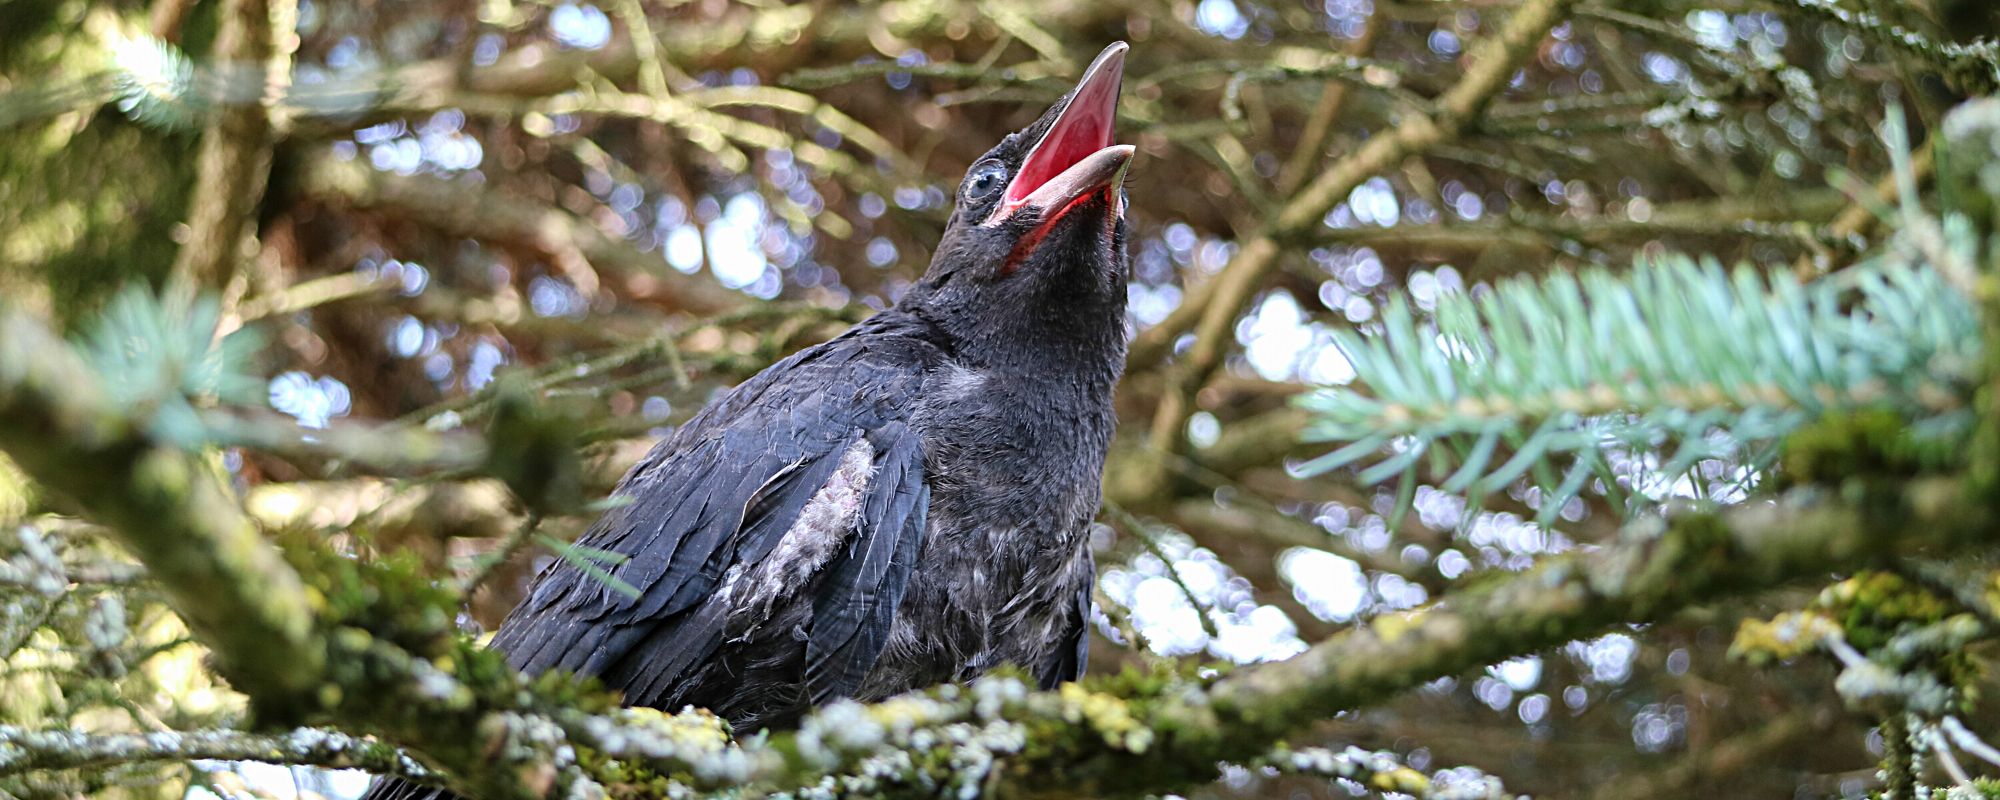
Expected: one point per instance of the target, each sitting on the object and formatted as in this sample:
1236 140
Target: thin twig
652 71
1969 741
23 750
1311 146
1144 534
1942 748
396 448
487 564
315 293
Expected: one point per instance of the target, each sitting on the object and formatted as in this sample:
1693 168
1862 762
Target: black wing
723 491
852 597
1069 662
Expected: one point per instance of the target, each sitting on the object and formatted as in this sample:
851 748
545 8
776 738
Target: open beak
1076 157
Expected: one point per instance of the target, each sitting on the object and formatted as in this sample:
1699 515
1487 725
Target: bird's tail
399 789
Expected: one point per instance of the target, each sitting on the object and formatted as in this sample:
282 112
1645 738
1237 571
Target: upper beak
1076 156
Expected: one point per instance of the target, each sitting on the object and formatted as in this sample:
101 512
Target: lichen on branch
369 647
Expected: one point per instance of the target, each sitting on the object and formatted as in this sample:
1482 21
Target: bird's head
1034 253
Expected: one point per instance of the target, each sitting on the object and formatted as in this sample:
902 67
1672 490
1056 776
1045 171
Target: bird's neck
1063 350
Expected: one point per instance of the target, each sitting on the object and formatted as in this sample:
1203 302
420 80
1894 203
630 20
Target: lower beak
1099 171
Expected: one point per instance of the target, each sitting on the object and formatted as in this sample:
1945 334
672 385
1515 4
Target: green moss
1867 443
402 670
1706 543
17 493
1900 626
1873 607
1781 638
1155 679
1124 717
390 597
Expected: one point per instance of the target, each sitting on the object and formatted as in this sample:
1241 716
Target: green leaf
607 503
592 561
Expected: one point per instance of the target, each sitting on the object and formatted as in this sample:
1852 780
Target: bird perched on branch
902 506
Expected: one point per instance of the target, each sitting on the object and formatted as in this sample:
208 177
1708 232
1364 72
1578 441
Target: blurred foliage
165 354
68 250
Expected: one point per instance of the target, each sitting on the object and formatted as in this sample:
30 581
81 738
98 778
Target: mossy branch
23 750
1112 735
1657 567
69 435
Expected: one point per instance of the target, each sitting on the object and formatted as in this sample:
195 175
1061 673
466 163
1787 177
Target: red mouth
1076 157
1098 174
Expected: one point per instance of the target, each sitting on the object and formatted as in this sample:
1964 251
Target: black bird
902 506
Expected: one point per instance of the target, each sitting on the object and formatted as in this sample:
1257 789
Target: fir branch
814 78
161 356
465 209
1676 358
392 448
61 426
1973 68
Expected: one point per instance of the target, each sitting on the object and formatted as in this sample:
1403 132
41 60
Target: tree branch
63 431
317 292
1306 154
23 750
505 737
234 164
1721 761
1114 738
1382 771
775 39
477 212
1970 68
1856 220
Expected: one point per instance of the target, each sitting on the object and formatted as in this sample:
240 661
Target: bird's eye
985 179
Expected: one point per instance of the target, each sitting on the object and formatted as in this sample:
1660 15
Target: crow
902 506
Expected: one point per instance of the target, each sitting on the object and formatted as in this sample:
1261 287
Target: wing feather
722 491
1069 662
856 604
